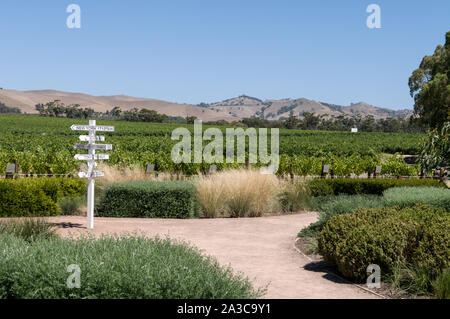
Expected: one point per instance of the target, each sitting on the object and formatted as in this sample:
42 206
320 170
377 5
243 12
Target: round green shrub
416 235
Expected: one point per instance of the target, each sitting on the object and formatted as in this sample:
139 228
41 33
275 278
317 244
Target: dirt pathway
261 248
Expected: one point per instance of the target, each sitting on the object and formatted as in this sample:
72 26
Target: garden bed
36 263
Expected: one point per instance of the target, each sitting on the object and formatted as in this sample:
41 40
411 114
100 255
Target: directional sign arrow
80 127
101 156
75 127
104 128
88 157
102 147
97 138
93 174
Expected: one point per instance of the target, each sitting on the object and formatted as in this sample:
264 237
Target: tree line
58 109
6 109
311 121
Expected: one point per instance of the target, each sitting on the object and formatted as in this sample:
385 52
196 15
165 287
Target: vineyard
45 145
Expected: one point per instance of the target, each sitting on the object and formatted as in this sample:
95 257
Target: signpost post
90 158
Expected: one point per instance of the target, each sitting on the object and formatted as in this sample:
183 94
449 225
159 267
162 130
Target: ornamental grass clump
28 229
238 193
211 195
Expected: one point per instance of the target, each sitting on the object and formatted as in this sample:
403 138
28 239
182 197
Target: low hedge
375 186
416 236
36 196
409 196
114 267
162 199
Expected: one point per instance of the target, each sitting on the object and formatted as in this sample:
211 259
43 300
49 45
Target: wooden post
421 174
292 169
441 175
436 174
377 171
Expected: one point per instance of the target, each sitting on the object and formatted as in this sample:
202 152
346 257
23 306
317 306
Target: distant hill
231 109
246 106
26 101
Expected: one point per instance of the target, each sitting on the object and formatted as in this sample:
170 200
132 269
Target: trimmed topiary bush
417 236
352 186
165 199
409 196
114 267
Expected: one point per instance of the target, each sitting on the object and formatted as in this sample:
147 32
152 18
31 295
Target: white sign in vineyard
92 127
98 138
101 147
90 158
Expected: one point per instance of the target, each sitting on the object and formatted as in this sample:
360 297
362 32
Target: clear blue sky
208 50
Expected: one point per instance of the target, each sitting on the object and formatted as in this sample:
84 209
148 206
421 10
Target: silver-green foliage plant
130 267
438 197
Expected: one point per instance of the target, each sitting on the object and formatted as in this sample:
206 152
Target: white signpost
91 157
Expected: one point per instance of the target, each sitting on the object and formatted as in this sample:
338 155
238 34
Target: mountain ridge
231 109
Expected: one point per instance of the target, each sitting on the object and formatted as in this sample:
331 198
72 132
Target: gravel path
261 248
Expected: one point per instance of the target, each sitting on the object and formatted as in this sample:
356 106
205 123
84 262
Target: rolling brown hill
245 106
231 109
26 101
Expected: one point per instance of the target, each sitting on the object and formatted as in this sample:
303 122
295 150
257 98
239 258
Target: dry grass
238 193
114 174
293 196
211 195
